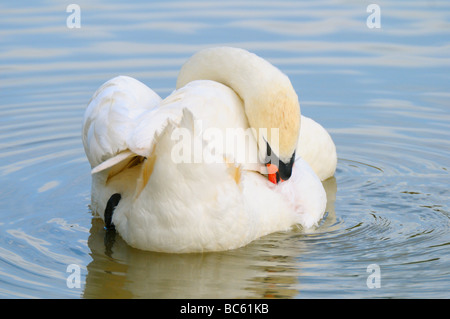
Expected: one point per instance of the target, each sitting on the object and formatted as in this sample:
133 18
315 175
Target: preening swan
168 177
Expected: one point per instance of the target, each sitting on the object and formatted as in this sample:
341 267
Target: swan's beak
279 174
273 174
277 170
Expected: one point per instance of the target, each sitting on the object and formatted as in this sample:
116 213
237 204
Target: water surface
383 94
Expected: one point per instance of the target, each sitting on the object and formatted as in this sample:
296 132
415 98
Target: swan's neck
269 99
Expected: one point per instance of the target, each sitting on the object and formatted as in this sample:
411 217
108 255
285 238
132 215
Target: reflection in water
267 268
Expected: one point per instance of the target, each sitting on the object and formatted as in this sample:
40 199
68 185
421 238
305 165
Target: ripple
381 219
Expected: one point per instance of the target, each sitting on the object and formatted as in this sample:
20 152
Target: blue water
382 93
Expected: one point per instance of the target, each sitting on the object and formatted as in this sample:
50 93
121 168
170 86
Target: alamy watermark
374 19
74 19
74 278
219 145
374 279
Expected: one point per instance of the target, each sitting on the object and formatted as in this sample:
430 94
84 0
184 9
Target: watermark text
374 279
374 19
74 19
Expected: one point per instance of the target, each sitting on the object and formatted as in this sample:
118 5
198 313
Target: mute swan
158 202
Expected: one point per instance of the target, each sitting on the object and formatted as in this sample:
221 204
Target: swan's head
270 101
275 116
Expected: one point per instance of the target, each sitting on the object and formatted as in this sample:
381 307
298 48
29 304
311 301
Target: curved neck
269 99
238 69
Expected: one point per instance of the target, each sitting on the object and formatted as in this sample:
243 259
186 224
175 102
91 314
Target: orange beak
282 170
273 174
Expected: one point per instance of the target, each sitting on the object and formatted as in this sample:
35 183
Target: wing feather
110 119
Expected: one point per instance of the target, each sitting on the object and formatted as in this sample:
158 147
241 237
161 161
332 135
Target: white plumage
131 138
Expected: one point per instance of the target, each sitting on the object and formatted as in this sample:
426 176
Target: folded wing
110 119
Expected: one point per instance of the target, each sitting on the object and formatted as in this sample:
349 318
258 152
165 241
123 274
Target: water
383 94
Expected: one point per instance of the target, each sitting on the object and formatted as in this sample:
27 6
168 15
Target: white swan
157 202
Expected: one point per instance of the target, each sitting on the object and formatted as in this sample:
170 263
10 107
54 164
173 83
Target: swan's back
317 148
